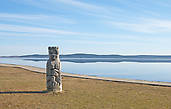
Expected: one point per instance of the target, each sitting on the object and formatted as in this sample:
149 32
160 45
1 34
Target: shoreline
42 71
24 89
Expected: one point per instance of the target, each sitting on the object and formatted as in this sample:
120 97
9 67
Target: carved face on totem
53 52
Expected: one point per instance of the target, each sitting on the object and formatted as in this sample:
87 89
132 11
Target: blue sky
85 26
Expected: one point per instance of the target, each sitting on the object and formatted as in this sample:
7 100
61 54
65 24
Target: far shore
21 88
42 70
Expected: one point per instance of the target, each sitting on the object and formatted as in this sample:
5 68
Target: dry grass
27 88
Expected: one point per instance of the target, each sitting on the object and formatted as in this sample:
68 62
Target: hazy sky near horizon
85 26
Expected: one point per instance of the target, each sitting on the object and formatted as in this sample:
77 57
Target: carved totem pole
53 71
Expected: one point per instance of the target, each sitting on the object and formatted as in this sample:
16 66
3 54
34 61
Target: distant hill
81 55
26 56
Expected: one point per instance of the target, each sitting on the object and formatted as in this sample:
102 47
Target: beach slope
23 89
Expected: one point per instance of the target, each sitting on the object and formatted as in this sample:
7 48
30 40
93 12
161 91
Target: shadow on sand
16 92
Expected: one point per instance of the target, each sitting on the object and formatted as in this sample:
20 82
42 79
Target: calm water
128 70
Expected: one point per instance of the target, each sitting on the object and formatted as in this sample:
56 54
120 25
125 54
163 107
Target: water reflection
93 60
130 70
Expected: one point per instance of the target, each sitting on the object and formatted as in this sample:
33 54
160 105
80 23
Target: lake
127 70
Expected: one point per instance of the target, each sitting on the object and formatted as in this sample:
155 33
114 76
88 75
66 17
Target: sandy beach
23 89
